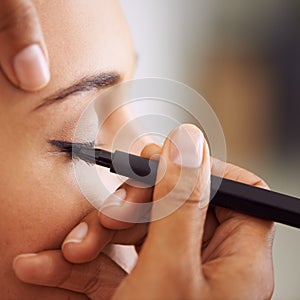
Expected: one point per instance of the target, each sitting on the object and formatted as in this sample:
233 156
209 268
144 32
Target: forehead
85 36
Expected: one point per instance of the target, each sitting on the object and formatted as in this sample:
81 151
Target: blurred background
244 58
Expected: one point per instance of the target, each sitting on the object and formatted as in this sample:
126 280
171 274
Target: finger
236 173
151 150
23 54
232 172
49 268
185 186
259 232
85 242
172 247
122 210
116 210
210 226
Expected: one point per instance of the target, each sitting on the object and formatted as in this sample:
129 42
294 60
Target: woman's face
39 198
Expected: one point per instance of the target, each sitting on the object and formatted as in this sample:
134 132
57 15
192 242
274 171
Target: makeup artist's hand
231 259
23 53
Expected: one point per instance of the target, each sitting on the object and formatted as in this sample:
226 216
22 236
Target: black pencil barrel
230 194
257 202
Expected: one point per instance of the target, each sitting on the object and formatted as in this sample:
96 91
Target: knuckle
17 17
82 279
92 285
239 174
261 183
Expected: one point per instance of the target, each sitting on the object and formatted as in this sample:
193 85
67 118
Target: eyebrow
85 84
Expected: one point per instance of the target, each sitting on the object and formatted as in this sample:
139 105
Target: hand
23 53
232 259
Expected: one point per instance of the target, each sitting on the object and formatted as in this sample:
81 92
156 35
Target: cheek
39 207
40 203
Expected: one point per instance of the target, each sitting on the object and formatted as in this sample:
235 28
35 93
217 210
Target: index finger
23 53
133 195
49 268
255 229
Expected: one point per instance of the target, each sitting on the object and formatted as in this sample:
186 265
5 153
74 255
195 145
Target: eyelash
67 147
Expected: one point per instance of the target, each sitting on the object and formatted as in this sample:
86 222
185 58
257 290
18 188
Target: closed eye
67 147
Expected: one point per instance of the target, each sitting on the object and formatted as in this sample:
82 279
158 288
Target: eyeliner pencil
230 194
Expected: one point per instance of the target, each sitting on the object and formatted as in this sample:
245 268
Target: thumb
169 262
182 195
23 55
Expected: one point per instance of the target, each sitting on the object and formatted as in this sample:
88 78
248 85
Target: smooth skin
195 253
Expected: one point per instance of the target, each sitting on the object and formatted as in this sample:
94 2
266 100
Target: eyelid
66 146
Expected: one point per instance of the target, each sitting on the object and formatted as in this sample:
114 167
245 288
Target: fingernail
25 255
77 234
115 199
31 68
186 147
28 255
